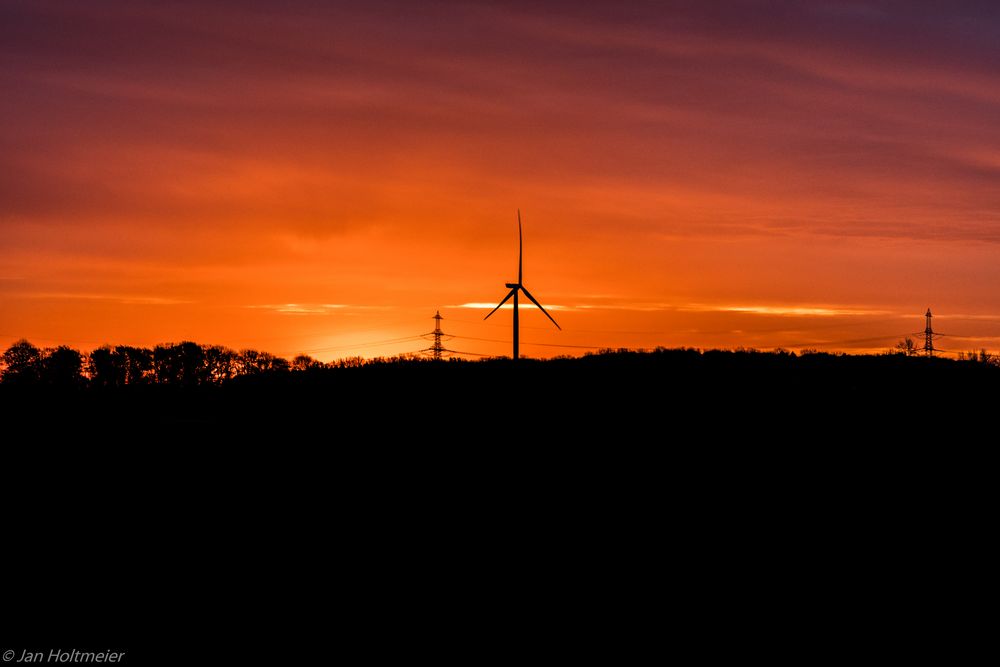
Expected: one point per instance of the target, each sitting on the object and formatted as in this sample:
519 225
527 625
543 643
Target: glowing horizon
307 177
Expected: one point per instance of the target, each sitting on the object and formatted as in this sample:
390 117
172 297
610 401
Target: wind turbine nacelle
512 285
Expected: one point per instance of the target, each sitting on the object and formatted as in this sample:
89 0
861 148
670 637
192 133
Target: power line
846 341
474 354
388 341
437 337
496 340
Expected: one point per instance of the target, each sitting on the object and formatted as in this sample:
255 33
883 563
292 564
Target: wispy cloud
638 307
790 310
126 299
300 308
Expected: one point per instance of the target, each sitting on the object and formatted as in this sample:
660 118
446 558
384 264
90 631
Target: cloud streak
301 308
124 299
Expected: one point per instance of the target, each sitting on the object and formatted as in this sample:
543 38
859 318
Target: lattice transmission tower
437 349
929 336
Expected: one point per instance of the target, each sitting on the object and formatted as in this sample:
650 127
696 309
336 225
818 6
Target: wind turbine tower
517 287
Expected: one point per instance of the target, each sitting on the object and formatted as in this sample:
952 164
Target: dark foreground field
662 397
482 508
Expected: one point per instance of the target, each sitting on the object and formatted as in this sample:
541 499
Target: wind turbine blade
534 301
520 246
505 300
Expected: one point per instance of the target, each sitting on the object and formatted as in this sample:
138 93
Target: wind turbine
519 287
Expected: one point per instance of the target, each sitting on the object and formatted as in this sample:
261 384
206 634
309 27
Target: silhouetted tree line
189 364
208 393
183 364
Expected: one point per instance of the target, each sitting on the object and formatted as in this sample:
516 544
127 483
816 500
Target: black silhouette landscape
662 398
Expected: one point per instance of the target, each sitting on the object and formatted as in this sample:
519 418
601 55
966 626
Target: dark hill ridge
664 394
741 473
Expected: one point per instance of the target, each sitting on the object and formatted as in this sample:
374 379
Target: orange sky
321 177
